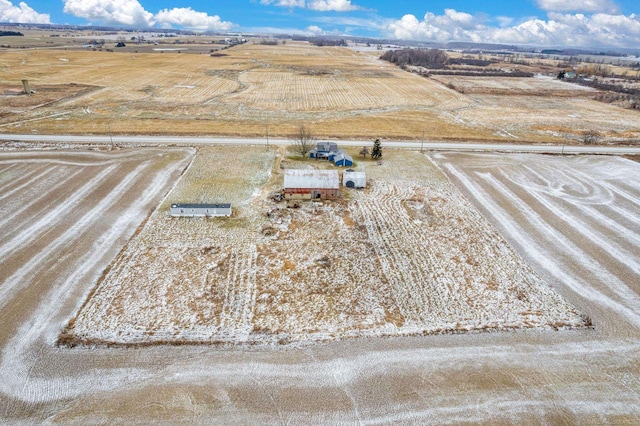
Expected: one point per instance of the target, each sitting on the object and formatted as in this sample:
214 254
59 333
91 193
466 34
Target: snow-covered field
408 255
581 376
575 219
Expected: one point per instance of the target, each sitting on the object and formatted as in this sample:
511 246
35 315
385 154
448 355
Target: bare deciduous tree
303 141
364 151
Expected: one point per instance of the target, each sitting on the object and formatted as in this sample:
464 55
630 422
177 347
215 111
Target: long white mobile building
203 210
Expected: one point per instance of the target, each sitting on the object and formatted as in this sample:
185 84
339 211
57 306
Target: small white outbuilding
353 179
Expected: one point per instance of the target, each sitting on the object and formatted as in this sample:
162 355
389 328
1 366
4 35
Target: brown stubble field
338 92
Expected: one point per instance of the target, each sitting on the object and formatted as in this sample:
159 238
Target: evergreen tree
376 152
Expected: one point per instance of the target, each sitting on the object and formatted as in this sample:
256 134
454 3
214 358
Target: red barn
309 184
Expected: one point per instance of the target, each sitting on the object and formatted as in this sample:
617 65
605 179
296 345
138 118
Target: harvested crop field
578 376
538 86
556 210
62 201
406 256
336 91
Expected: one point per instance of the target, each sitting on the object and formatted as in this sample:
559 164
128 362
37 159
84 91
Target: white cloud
123 12
284 3
314 30
21 14
453 25
191 19
580 30
319 5
132 13
331 5
607 6
460 18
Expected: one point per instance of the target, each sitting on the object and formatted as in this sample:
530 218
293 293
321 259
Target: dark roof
200 206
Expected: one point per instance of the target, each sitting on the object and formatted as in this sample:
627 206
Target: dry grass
338 92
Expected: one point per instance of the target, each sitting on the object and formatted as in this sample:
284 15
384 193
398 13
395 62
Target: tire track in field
542 243
27 206
556 237
70 236
15 368
628 197
387 225
23 182
240 294
591 231
28 235
611 204
7 172
61 222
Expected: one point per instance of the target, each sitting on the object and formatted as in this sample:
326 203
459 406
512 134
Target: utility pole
110 136
267 136
422 143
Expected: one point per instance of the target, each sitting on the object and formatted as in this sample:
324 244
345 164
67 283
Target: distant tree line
483 73
320 40
470 61
427 58
610 92
437 62
609 87
11 33
628 97
268 42
326 42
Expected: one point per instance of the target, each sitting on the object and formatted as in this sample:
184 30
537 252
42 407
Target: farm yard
406 256
548 365
339 92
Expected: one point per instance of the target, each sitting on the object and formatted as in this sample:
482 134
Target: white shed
353 179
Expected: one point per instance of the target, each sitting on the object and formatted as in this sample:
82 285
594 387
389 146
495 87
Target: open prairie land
572 219
338 92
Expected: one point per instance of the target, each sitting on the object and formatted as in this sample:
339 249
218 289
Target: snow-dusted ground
587 376
408 255
576 219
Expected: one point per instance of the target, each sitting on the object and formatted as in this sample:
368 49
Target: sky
572 23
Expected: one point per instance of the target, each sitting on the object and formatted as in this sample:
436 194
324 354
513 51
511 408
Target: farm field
406 256
338 92
565 208
583 375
